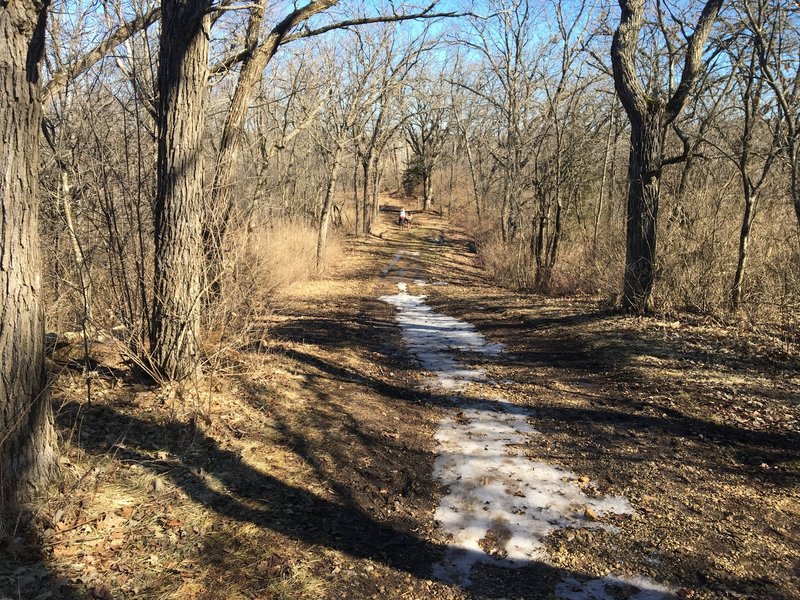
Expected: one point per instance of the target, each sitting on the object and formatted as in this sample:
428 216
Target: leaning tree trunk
254 61
27 439
644 179
327 205
182 75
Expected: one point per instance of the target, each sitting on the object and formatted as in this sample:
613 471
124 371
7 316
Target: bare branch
694 58
232 60
88 60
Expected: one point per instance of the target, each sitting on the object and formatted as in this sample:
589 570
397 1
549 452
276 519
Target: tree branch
232 60
623 53
694 58
115 38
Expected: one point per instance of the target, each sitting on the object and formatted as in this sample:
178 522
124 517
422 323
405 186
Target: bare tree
755 139
27 438
426 130
776 33
254 58
390 59
650 112
182 75
344 103
563 90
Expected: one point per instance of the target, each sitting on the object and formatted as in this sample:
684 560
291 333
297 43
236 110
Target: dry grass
272 256
697 254
262 261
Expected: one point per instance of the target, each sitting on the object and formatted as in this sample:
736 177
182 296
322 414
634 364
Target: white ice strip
392 263
431 336
613 588
500 505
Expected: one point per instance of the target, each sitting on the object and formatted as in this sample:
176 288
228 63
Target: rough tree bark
28 455
182 75
650 114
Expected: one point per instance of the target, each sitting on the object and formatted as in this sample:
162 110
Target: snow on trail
432 336
392 263
500 505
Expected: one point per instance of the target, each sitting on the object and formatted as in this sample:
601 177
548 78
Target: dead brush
261 260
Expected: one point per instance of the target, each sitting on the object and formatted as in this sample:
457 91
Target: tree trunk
546 272
182 75
255 60
82 270
355 198
376 178
599 210
426 189
28 455
325 217
744 242
649 116
473 177
794 165
367 219
644 180
505 218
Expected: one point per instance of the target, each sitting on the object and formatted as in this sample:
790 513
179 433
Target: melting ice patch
612 588
499 505
432 337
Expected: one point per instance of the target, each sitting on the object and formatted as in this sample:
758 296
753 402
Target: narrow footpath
497 506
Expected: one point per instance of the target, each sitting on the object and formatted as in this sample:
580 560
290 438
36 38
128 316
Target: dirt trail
670 416
647 455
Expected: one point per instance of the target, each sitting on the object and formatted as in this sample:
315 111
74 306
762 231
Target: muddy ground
301 467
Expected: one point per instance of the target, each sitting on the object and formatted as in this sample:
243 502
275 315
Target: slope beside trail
405 429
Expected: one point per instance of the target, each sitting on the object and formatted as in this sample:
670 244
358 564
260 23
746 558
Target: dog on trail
404 219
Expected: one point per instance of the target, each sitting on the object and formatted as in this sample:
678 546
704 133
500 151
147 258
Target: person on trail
402 218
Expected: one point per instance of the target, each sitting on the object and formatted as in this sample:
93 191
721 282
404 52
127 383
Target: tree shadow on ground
624 414
222 482
24 569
